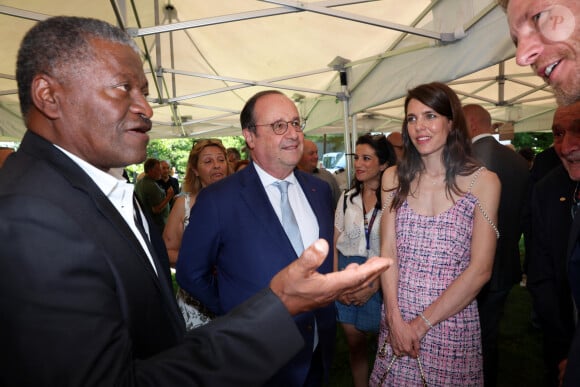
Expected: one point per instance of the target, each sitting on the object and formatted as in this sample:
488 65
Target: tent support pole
353 138
345 97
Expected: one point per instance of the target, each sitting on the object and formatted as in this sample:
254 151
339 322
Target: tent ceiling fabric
209 57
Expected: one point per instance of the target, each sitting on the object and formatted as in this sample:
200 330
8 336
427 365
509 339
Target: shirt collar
106 182
474 139
268 179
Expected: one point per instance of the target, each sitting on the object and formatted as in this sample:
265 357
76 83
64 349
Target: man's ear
249 137
42 91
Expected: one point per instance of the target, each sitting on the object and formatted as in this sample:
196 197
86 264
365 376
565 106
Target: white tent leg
345 97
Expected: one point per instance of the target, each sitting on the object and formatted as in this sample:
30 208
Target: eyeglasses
280 127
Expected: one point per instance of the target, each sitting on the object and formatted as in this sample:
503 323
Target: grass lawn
519 345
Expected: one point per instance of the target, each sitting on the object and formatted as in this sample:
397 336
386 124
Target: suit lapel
162 278
80 180
254 195
256 199
110 212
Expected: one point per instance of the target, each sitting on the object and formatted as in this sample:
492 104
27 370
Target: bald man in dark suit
512 170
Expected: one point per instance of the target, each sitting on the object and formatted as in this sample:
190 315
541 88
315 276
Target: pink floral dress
432 252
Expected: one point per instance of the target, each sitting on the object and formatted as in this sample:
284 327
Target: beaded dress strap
475 176
481 209
389 200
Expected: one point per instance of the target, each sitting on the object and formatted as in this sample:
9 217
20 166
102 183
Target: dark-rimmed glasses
280 127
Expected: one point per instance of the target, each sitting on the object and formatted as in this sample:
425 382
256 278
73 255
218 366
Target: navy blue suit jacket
234 228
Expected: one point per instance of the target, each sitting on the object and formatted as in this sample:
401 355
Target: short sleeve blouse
350 224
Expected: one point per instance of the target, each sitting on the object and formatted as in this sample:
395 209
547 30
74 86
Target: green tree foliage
538 141
328 143
176 151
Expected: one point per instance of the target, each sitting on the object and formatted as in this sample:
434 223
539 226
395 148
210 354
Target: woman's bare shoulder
483 182
390 179
179 199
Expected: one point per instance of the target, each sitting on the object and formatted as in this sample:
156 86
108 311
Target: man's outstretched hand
301 288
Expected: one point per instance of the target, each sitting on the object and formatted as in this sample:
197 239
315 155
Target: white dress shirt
305 217
120 193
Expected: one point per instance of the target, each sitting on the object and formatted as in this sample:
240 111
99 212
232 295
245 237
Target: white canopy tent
206 58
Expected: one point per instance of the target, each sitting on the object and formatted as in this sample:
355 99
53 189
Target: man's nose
529 48
570 143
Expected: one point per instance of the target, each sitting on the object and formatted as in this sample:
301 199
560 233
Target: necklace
433 180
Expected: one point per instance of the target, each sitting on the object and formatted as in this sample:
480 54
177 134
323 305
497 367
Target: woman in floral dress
439 224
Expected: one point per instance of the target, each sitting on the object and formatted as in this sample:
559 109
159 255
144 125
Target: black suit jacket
572 375
544 162
82 305
512 170
547 274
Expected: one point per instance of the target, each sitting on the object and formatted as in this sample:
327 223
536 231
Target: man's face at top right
547 37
